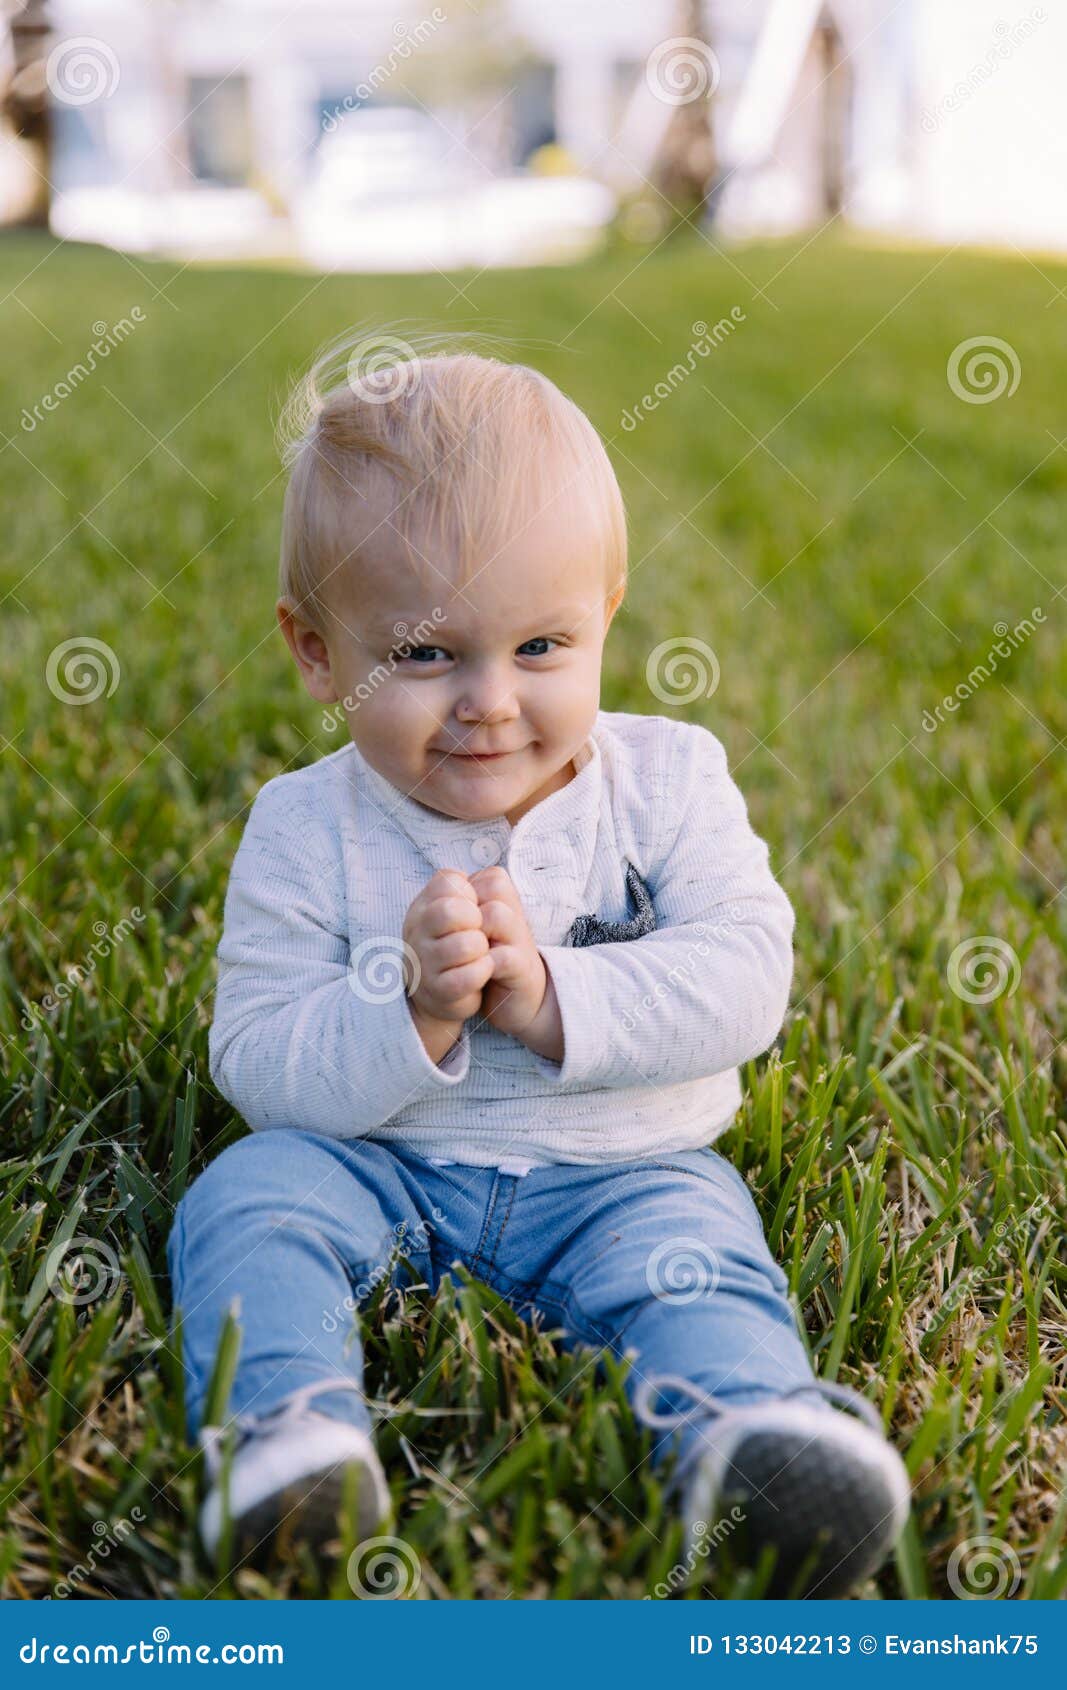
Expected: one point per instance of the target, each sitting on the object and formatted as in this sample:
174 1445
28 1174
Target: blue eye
409 652
416 653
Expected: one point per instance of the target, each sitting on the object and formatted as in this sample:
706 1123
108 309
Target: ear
310 652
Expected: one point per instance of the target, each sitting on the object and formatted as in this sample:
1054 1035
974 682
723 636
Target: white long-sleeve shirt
313 1029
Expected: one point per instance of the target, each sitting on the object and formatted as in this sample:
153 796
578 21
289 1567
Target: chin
488 810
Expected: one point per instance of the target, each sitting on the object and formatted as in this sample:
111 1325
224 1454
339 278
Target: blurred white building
336 134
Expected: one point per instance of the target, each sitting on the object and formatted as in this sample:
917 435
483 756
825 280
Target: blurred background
365 135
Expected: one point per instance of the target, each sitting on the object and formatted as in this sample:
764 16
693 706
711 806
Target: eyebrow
568 615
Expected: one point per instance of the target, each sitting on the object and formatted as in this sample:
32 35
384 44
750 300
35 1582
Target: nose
488 696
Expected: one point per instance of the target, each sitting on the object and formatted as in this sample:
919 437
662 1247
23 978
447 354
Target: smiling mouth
482 756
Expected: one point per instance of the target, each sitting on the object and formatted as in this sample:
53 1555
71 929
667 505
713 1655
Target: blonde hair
448 455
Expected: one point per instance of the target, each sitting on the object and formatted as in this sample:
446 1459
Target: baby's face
472 700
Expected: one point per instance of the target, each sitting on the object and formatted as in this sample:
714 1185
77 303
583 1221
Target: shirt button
485 850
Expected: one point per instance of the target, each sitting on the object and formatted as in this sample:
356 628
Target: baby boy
486 978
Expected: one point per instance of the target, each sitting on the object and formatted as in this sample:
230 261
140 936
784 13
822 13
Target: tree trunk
686 165
25 108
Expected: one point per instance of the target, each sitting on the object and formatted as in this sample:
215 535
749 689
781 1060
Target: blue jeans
663 1259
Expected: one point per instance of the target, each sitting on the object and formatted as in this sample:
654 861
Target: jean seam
354 1271
580 1317
571 1310
491 1262
490 1210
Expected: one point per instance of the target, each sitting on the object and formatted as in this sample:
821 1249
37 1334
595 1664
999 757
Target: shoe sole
831 1515
308 1509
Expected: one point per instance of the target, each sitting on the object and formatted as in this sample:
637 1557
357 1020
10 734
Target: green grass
905 1145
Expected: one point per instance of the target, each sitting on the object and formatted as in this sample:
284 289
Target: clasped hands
477 956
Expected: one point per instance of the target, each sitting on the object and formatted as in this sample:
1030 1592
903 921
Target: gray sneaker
824 1490
289 1464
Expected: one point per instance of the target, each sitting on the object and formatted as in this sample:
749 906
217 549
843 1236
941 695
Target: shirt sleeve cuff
452 1067
577 1013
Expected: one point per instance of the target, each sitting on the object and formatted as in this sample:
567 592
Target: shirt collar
553 843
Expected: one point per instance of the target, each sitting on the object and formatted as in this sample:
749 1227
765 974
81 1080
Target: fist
515 988
443 930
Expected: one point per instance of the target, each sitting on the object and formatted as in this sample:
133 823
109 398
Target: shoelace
649 1389
245 1426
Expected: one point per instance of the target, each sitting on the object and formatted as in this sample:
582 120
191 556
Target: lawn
817 503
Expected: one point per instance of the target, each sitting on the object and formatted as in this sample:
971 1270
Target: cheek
395 710
570 689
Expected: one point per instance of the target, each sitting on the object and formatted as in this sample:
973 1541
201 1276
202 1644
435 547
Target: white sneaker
825 1490
290 1464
